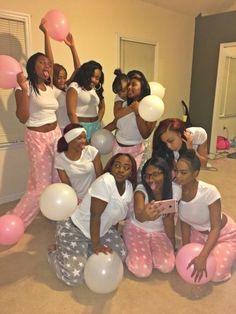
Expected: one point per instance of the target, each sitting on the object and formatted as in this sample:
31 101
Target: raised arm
22 99
47 42
69 41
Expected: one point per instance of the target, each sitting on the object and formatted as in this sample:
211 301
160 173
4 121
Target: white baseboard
10 198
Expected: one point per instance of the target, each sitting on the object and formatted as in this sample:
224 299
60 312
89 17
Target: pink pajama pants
224 250
41 149
136 151
147 250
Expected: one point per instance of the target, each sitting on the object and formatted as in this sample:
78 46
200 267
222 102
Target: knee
71 275
219 277
140 270
166 266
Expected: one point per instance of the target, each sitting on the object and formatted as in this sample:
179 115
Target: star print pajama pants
73 249
41 150
224 250
147 250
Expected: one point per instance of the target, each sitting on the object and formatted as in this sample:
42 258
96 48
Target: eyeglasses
154 175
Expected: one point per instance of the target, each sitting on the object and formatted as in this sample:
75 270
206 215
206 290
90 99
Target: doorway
224 112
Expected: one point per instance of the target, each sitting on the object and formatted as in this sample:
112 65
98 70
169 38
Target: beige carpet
27 284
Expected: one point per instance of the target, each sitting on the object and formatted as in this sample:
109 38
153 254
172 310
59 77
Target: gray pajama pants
73 250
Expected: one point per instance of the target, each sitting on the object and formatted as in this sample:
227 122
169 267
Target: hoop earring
99 87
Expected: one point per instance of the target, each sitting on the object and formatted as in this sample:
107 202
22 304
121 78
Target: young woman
77 163
171 138
150 236
202 220
91 228
60 80
84 97
36 108
132 130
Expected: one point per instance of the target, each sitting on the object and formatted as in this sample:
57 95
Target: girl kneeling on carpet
91 228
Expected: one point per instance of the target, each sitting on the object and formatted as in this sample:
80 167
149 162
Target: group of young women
48 103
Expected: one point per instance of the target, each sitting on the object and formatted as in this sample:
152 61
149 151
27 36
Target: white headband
72 134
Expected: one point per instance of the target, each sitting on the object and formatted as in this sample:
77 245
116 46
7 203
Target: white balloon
157 89
58 201
103 140
103 272
151 108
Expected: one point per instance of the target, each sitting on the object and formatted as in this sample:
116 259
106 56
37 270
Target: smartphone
170 206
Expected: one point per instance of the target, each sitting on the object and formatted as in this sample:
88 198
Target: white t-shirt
81 172
127 129
62 116
199 137
118 98
104 188
87 103
42 106
196 212
155 225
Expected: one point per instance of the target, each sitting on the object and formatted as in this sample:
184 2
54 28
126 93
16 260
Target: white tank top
127 130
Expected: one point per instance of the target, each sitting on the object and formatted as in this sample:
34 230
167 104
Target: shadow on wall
10 126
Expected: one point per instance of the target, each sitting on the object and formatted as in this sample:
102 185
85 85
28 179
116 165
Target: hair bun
189 153
117 72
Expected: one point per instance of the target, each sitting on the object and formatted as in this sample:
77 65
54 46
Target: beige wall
96 25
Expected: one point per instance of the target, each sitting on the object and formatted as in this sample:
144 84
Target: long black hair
159 148
161 164
32 76
145 88
85 72
117 85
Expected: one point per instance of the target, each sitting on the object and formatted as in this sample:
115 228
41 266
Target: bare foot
52 247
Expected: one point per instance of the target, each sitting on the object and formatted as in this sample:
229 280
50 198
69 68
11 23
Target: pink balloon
11 229
57 25
9 68
184 257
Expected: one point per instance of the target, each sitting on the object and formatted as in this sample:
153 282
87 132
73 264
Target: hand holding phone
167 206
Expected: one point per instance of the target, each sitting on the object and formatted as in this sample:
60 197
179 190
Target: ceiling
196 7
